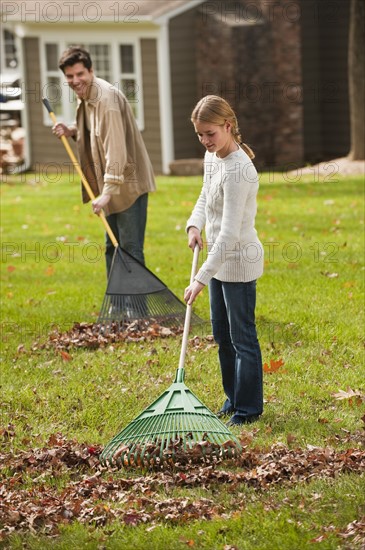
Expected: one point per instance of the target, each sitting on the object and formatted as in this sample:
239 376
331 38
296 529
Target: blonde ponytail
238 138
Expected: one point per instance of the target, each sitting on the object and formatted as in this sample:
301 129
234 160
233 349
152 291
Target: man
112 153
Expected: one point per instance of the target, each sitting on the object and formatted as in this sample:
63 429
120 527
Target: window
101 56
128 77
10 53
53 78
119 64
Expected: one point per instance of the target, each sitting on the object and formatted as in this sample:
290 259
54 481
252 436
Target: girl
226 208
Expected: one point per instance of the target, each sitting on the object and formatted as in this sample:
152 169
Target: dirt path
342 166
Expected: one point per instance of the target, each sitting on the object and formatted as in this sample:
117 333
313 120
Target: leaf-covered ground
299 481
45 488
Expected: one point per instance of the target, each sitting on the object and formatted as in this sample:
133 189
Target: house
282 64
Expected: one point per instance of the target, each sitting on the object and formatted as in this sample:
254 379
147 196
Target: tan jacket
113 153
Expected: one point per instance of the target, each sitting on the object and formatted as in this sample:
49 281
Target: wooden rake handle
85 183
188 313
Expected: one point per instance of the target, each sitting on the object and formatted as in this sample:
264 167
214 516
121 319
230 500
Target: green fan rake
176 428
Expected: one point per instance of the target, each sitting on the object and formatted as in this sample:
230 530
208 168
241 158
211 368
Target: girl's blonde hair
216 110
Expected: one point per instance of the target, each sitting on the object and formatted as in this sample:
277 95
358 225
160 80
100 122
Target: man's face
79 78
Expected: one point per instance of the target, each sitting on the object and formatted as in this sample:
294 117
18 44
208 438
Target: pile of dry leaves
93 336
31 500
160 453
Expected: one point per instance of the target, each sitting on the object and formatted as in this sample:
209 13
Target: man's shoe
225 412
238 420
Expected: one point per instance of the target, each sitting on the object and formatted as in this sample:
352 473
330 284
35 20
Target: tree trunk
356 79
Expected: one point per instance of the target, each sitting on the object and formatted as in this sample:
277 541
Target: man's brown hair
73 55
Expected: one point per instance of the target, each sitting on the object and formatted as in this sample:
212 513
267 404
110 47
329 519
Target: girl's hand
192 291
194 237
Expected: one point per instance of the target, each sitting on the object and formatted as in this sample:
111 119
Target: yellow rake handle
79 171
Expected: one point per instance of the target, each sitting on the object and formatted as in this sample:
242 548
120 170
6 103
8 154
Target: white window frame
4 68
51 73
130 76
69 107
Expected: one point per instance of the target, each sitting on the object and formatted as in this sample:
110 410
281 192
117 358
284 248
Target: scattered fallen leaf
274 366
320 538
349 284
65 356
329 275
355 397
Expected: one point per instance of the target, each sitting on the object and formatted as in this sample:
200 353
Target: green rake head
176 428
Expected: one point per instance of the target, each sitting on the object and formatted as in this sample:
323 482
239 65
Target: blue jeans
129 229
232 309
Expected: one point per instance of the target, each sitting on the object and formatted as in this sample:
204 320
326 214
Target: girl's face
216 139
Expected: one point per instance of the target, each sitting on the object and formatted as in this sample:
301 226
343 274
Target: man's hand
61 129
99 203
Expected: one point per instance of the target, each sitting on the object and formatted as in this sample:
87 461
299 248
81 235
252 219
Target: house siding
255 65
152 129
45 149
184 83
310 40
288 104
324 44
334 32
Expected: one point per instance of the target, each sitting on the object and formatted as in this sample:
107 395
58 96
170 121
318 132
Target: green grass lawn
310 315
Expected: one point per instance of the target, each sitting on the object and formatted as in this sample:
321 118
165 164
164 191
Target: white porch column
164 82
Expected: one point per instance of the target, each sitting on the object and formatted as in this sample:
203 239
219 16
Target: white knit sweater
227 208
